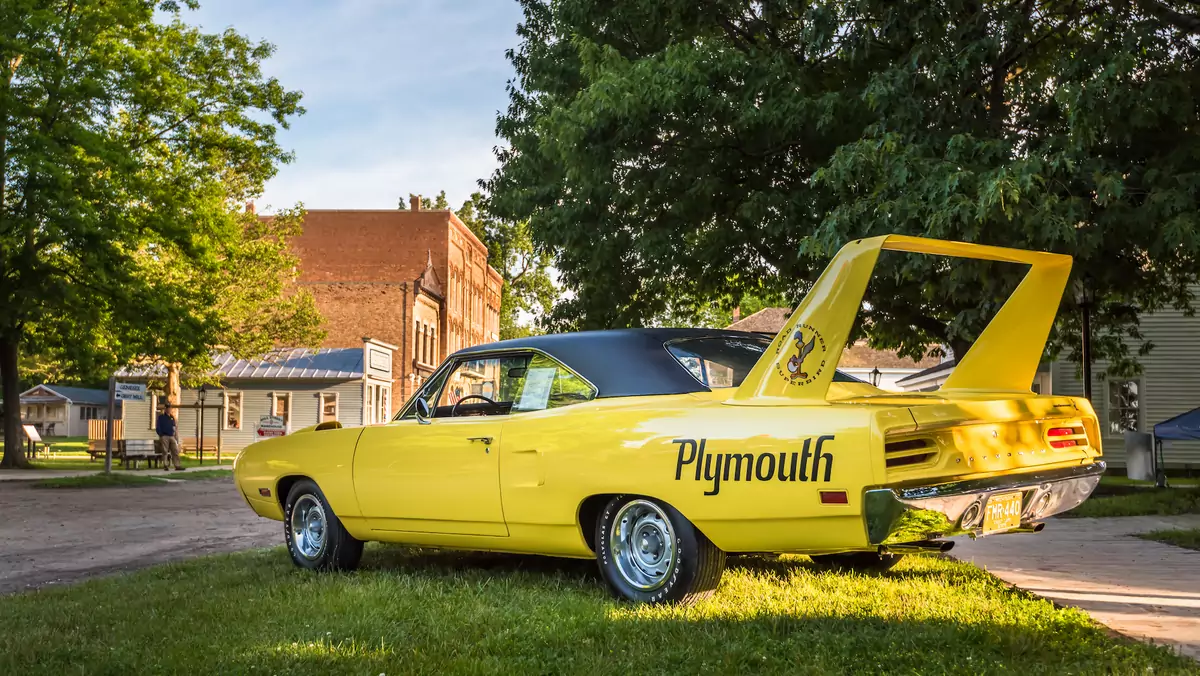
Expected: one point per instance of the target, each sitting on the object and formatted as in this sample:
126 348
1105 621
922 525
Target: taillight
1063 432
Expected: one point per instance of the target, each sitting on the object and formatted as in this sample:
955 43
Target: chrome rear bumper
909 514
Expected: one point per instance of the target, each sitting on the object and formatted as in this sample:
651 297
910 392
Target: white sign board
537 388
130 392
271 426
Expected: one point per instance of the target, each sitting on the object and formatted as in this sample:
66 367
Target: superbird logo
718 467
803 366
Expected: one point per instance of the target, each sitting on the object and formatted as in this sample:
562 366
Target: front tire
314 535
859 562
650 553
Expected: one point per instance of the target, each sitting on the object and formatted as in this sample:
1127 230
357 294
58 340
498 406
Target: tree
124 142
528 291
256 299
670 154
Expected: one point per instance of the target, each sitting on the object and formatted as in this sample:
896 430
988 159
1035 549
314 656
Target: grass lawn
99 480
417 611
1120 480
70 461
1138 501
1188 538
200 474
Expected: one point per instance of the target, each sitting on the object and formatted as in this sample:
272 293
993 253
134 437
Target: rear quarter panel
326 457
671 447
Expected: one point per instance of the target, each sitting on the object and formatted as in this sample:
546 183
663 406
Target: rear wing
800 362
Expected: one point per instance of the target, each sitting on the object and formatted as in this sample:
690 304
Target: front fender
325 456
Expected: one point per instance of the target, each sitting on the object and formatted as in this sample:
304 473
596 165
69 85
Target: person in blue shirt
165 428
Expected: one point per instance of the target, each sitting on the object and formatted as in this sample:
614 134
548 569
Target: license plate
1003 512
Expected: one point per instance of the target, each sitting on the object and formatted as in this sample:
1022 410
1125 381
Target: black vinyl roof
620 362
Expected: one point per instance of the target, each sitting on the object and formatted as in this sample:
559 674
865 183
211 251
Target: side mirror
421 408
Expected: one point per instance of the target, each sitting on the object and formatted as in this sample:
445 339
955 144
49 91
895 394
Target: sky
401 95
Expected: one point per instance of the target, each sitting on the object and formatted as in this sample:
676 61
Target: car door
441 474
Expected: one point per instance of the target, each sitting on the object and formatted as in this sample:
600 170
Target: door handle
486 440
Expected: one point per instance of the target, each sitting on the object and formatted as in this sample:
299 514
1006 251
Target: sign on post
130 392
271 426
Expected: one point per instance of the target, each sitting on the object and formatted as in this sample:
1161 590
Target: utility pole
108 424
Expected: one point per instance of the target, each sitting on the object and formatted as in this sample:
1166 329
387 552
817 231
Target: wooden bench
137 450
34 443
96 448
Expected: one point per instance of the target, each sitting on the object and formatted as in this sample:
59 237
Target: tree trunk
959 347
174 397
14 455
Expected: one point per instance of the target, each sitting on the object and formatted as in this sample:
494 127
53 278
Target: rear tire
859 562
314 535
650 553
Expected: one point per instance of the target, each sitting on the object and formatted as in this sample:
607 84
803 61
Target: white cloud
402 95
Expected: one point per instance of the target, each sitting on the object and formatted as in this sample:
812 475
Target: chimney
737 313
414 202
250 207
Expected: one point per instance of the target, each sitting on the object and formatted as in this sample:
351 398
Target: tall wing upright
1004 358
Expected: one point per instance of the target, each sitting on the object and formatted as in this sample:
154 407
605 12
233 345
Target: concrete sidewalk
1137 587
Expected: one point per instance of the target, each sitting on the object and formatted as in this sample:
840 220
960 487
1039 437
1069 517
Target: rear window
724 361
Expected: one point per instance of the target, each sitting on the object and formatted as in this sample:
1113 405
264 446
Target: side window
548 384
482 386
503 384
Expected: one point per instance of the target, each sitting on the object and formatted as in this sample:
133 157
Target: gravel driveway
53 536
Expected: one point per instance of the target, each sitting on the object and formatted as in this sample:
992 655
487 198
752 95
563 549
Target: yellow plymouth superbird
659 451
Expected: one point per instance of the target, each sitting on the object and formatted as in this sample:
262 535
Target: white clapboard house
352 385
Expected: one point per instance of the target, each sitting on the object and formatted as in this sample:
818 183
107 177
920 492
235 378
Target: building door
377 405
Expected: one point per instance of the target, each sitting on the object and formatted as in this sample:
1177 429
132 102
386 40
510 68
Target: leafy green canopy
125 143
673 154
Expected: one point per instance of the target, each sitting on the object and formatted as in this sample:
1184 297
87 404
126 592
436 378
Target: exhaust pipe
923 547
1026 528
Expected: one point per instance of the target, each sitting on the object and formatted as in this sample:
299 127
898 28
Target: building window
233 410
89 412
281 406
1124 410
433 346
329 406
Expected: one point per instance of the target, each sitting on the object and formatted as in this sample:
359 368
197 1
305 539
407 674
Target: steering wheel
454 411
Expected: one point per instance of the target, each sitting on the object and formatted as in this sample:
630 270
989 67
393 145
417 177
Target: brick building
418 280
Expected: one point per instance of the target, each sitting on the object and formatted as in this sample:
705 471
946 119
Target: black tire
335 549
696 563
859 562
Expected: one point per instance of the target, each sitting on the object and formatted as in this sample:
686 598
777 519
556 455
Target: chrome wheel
643 545
308 526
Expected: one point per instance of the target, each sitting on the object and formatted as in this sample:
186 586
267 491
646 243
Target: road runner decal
718 467
808 356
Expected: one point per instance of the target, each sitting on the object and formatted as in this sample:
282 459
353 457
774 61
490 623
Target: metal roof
338 363
77 395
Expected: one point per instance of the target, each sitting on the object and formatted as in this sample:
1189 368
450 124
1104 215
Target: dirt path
1140 588
53 536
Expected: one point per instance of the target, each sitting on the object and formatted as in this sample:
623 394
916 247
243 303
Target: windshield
725 361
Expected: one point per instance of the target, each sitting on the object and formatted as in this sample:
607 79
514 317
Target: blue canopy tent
1185 426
